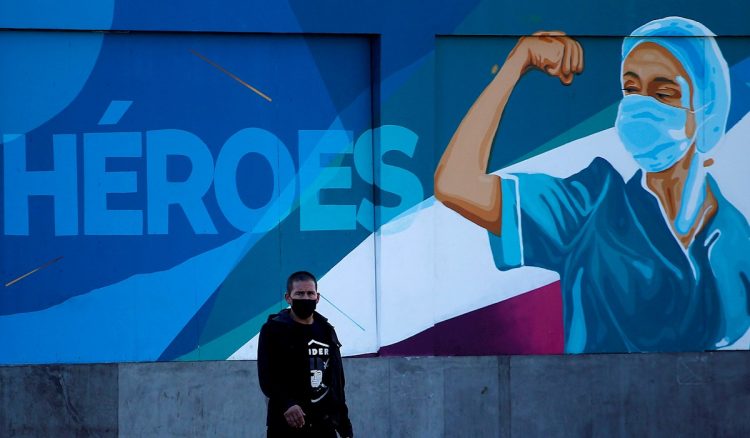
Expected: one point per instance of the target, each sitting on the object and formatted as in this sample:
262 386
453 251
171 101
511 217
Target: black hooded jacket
284 373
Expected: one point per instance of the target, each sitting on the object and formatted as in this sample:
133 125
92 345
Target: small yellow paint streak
495 69
16 280
232 75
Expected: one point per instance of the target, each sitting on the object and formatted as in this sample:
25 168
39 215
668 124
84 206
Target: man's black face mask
303 308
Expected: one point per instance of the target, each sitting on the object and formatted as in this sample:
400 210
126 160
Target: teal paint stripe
115 111
600 121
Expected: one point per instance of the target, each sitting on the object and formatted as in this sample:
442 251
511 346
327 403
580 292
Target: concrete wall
693 394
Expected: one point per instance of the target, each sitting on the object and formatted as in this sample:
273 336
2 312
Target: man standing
299 368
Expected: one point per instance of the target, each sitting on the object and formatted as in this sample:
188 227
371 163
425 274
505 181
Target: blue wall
165 167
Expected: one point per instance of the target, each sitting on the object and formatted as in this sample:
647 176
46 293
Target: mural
163 172
655 263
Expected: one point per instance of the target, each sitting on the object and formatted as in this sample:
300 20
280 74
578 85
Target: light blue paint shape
43 72
364 163
115 111
404 220
266 144
55 14
133 320
392 179
97 183
506 248
309 161
693 195
20 184
187 194
576 340
323 146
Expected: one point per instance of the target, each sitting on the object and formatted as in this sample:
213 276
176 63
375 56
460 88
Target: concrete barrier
685 394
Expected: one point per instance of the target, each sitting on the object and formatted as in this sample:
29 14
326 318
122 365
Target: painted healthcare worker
658 263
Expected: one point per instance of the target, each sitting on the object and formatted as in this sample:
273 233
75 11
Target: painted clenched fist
552 52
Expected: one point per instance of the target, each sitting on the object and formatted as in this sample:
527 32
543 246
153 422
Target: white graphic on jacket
318 354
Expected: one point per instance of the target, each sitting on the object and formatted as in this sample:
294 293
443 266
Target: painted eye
667 93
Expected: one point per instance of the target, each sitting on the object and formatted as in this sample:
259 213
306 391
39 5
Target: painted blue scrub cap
694 46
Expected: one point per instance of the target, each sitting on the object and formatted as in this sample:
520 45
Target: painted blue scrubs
627 284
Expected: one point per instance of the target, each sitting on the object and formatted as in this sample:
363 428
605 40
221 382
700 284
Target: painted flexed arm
461 179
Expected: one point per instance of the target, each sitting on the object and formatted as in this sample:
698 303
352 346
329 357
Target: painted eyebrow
630 73
664 81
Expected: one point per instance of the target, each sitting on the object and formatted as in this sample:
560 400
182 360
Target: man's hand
295 417
552 52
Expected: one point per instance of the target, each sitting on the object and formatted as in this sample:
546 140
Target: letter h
60 183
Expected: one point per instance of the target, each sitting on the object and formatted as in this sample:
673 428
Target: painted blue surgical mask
653 132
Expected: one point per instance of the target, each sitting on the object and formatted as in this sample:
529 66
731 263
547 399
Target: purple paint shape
530 323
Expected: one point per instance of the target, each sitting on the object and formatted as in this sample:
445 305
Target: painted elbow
439 184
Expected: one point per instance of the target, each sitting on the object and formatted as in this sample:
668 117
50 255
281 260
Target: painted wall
164 171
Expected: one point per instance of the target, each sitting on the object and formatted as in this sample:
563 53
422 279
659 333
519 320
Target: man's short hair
300 276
